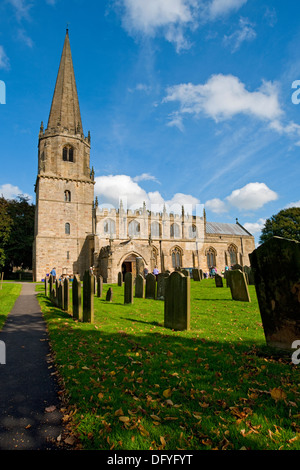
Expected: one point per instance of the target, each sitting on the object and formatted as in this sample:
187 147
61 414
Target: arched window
67 196
192 231
67 228
134 228
176 258
68 153
109 227
211 257
232 250
155 230
175 231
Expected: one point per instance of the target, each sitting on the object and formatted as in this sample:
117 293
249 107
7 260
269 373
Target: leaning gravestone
109 295
150 286
140 286
238 286
120 279
88 297
276 266
177 302
76 298
99 285
66 294
128 288
218 280
196 274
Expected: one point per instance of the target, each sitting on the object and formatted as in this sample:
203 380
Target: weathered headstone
88 297
140 286
99 285
238 286
185 272
66 294
201 274
237 266
139 265
60 296
51 286
109 295
46 286
177 302
196 274
120 279
76 298
128 288
161 285
218 280
249 271
150 286
276 266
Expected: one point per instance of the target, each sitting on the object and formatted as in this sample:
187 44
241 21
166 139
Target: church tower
65 183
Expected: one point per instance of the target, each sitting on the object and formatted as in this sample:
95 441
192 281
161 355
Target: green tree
18 249
5 229
285 224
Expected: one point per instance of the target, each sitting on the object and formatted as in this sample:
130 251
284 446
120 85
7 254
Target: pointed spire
65 111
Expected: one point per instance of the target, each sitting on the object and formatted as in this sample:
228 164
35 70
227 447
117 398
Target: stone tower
65 184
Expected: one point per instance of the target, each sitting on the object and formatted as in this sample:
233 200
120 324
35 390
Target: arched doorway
129 265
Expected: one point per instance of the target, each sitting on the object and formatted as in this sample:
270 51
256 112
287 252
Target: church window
211 257
175 231
67 228
134 228
155 230
193 231
176 258
232 250
68 153
67 196
109 227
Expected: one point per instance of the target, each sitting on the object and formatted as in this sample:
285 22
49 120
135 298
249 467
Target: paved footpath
27 387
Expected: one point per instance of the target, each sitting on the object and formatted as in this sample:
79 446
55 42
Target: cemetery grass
131 384
8 295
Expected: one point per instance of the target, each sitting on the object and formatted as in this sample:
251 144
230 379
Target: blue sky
188 101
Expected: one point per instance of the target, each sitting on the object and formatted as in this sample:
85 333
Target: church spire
65 111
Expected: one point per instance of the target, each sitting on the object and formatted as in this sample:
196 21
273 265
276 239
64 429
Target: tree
285 224
5 229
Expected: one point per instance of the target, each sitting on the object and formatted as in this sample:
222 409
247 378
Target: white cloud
145 177
255 227
10 191
252 196
245 32
224 96
216 205
113 188
292 204
4 61
217 8
21 7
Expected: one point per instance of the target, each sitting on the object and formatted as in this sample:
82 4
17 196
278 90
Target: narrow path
27 387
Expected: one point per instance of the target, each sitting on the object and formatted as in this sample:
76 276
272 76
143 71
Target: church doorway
129 265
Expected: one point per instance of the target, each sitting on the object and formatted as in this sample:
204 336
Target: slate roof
225 229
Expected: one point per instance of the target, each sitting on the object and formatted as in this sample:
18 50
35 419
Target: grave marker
177 302
238 286
88 297
128 288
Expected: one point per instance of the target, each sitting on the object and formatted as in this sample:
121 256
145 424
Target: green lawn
8 295
133 384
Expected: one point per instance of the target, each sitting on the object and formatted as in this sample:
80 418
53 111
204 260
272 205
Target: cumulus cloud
292 204
113 188
10 191
255 227
252 196
216 205
224 96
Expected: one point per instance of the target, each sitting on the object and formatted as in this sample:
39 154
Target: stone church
72 232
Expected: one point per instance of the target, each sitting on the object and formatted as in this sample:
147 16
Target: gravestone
161 285
150 286
109 295
249 271
88 297
46 286
276 269
51 286
177 302
196 274
201 274
237 266
66 294
60 295
238 286
185 272
76 298
99 285
120 279
140 286
218 280
128 288
139 265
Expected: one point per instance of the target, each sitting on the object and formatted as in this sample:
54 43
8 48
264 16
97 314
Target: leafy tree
5 229
18 250
285 224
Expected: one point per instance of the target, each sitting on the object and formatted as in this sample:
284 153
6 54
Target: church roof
65 111
225 229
